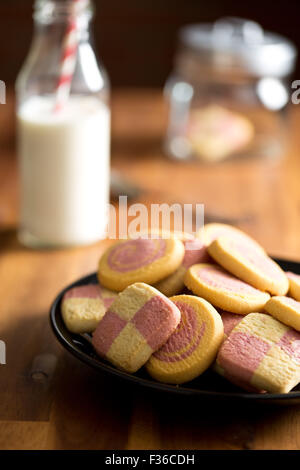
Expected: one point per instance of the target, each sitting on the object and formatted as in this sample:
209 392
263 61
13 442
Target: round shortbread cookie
211 232
83 307
285 309
193 346
138 323
139 260
263 353
294 280
223 290
195 252
250 265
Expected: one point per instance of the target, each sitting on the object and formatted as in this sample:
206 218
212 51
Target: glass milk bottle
63 121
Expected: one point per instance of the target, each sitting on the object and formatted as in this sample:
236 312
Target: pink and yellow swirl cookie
195 252
211 232
262 353
285 309
139 260
139 321
193 346
249 264
294 280
84 306
224 290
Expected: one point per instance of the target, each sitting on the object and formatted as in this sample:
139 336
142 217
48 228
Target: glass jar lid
240 45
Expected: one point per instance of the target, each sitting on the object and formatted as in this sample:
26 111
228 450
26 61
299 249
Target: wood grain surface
48 399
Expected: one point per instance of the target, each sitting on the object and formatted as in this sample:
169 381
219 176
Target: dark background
136 39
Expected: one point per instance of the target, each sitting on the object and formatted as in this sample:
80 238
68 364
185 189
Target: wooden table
76 408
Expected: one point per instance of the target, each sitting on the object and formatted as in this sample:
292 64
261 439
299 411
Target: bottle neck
62 12
42 69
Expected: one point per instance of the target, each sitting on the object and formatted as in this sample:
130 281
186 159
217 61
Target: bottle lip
50 11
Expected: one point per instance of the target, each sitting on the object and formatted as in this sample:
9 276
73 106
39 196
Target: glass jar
229 91
64 151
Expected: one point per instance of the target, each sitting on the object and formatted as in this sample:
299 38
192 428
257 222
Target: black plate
209 385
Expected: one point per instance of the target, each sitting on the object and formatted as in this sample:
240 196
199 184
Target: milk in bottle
63 153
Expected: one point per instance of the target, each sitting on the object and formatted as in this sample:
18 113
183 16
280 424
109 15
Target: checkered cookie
139 322
84 306
261 353
230 320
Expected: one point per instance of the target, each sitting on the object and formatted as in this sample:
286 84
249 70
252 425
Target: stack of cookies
178 305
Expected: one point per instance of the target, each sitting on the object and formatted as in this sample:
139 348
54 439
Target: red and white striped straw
68 60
